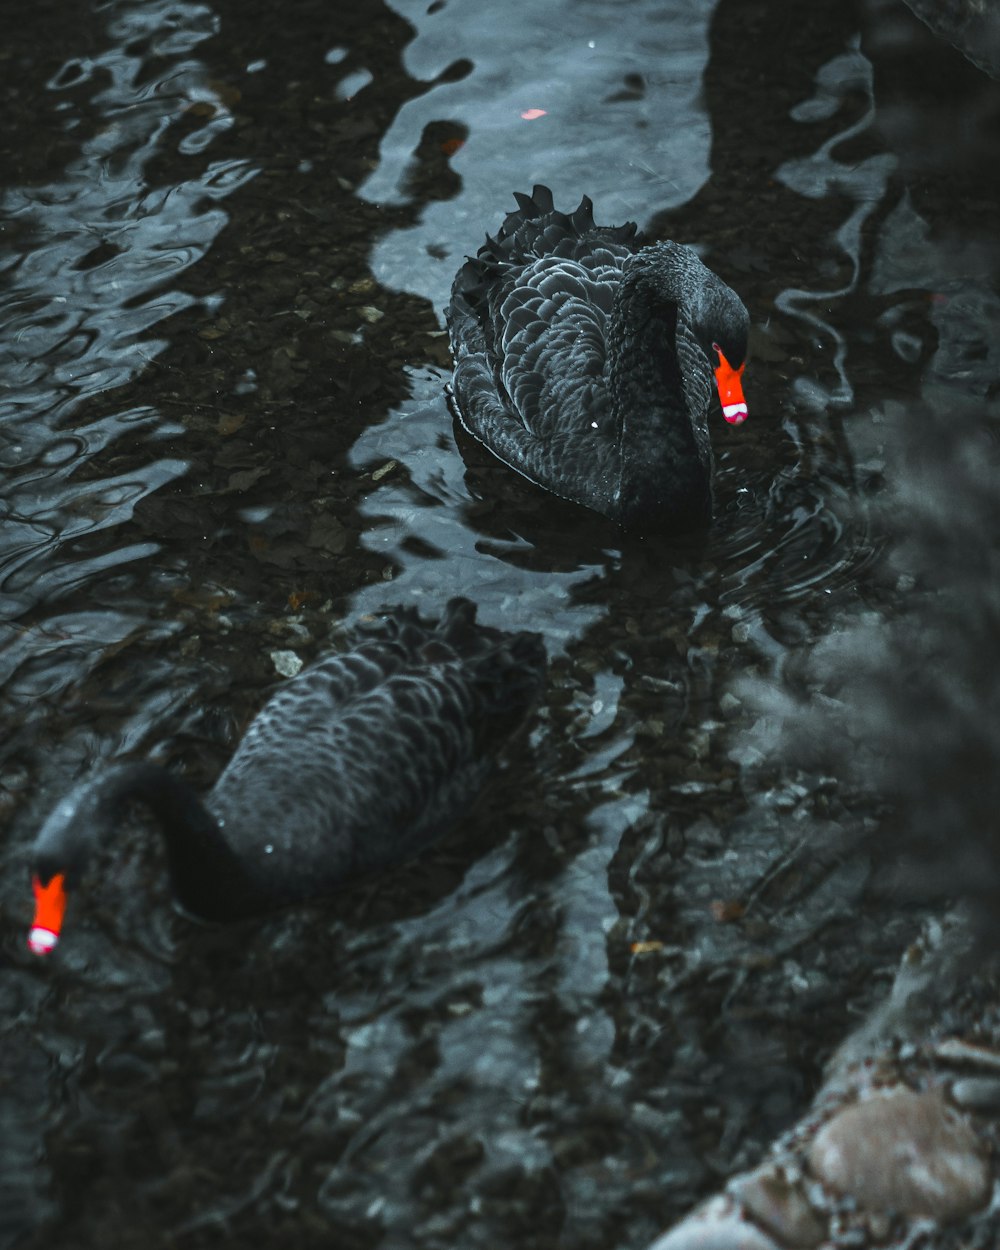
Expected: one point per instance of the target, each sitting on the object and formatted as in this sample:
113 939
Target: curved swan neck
666 450
207 877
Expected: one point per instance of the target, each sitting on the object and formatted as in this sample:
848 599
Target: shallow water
228 237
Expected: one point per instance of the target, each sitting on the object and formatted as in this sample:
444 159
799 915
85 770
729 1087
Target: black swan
355 764
585 360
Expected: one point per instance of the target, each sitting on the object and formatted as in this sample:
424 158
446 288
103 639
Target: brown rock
715 1226
779 1207
904 1152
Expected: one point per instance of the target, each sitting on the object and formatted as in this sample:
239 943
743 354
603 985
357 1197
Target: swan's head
50 906
722 325
729 381
713 313
58 860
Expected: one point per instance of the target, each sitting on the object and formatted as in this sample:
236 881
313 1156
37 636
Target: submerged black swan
355 764
584 360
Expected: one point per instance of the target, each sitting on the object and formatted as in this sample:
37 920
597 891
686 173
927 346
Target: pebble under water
228 235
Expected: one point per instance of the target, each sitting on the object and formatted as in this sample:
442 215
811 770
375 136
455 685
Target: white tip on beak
41 941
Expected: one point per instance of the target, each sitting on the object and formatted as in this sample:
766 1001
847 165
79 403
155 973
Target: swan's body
355 764
585 360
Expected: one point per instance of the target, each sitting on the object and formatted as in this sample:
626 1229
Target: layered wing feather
529 324
365 757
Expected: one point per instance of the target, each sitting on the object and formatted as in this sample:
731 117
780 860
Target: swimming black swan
355 764
584 360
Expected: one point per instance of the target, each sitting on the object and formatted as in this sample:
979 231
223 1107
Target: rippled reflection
86 285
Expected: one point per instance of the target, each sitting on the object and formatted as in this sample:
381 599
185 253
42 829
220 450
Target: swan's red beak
730 384
50 903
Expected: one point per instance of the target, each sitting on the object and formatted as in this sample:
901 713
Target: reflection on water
823 175
96 255
224 430
640 132
420 518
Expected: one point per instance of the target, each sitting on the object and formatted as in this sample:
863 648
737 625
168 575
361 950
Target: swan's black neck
666 450
207 876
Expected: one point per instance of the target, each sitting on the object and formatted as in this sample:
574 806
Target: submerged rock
901 1139
716 1226
903 1151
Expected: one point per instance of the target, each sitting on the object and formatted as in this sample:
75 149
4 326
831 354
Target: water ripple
89 274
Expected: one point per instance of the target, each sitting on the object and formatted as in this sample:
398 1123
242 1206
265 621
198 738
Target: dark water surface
228 234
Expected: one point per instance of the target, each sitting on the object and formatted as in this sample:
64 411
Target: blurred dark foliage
973 26
902 698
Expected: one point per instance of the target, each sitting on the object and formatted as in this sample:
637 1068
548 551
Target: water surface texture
228 234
